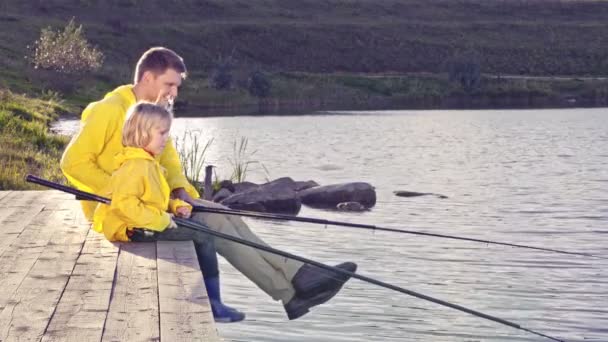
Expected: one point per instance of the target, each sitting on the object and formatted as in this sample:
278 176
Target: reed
192 152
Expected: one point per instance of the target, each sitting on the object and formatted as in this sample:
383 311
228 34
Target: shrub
465 70
221 75
258 84
66 51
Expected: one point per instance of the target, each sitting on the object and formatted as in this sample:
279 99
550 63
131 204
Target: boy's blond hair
141 118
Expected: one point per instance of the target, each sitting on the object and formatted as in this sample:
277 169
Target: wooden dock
61 281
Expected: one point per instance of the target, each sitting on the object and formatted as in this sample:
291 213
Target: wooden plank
31 306
13 226
24 206
19 205
55 198
23 198
185 314
98 245
5 211
3 194
20 210
14 200
133 314
6 207
23 253
81 311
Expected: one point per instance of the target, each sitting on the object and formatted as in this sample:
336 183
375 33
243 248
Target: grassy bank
27 145
299 92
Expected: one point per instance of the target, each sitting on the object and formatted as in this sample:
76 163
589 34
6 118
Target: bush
67 51
258 84
221 75
465 70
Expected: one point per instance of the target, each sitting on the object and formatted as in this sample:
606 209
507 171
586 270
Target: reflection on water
534 177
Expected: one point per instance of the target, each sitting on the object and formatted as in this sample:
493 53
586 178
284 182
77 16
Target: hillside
525 37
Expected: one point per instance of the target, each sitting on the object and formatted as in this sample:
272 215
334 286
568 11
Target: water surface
537 177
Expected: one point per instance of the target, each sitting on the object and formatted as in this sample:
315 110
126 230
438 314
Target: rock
253 206
305 185
243 186
403 193
227 184
283 182
328 196
350 206
221 195
276 196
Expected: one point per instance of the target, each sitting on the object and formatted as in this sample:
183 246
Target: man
89 161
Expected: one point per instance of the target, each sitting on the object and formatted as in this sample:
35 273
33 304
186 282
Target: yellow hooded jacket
140 197
88 161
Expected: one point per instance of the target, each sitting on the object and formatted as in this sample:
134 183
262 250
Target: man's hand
183 212
180 193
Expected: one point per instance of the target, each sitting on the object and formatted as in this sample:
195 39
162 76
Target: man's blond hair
157 60
141 119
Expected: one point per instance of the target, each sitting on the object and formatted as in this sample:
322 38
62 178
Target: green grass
27 145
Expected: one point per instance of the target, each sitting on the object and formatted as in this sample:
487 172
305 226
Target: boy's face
158 137
163 88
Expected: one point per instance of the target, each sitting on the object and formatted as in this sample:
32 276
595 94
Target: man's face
163 87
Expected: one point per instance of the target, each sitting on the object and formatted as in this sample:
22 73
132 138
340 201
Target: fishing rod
245 213
376 228
201 228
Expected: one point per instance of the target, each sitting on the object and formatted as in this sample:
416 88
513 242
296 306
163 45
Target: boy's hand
182 194
183 212
172 224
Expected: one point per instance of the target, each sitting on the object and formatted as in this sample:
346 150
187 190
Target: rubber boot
221 313
315 286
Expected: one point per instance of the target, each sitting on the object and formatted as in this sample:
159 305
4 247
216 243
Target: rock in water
328 196
350 206
403 193
221 195
275 197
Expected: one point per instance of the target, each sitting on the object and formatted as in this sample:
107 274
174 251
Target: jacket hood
129 153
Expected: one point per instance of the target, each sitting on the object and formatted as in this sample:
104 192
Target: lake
537 177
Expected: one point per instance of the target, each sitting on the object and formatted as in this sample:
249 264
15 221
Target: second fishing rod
283 217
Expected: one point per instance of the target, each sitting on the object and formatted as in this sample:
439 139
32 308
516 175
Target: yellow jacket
88 161
140 196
